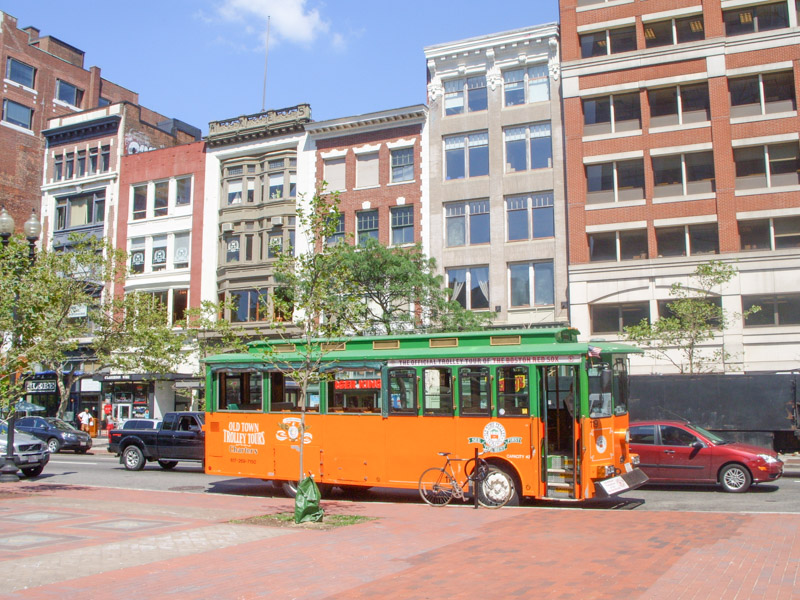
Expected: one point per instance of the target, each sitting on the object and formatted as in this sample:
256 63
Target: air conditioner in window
277 220
227 227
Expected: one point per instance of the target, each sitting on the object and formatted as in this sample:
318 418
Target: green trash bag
306 502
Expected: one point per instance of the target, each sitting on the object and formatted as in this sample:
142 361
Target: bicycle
438 486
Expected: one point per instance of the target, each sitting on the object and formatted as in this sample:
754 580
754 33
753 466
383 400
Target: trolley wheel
496 489
289 488
437 487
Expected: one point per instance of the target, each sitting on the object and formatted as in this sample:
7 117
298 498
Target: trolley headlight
605 471
767 458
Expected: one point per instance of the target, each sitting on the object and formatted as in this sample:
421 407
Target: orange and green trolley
549 411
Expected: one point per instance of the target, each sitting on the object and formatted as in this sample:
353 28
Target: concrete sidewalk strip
64 565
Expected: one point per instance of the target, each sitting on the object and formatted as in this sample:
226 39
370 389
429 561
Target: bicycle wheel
437 487
496 489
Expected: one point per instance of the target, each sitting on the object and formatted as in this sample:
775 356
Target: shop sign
357 384
77 310
40 387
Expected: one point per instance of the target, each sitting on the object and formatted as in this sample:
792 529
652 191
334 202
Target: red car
676 452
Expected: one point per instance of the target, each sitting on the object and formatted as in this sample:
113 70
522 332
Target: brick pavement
78 542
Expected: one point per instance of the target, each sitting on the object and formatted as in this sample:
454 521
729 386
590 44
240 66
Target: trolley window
438 394
402 392
240 390
285 395
513 391
355 391
474 392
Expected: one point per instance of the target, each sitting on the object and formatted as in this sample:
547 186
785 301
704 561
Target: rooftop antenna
266 60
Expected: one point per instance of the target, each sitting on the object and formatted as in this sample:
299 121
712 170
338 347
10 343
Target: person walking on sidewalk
86 420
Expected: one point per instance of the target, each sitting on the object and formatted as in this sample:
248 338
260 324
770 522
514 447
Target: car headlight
767 458
69 436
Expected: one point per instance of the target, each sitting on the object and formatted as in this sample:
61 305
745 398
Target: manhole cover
188 488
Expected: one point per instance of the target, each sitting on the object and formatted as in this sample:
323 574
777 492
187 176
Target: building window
183 191
232 247
466 155
539 221
673 31
276 184
20 73
249 306
467 223
523 294
762 94
182 246
618 181
473 88
338 233
334 174
402 218
679 105
105 159
528 147
776 310
749 19
180 302
161 200
251 190
402 165
629 244
80 211
612 114
613 318
469 287
367 170
683 174
275 246
292 184
69 168
234 192
81 163
66 92
17 114
612 41
139 202
137 255
159 262
58 167
367 226
522 86
775 165
770 234
665 309
93 155
687 240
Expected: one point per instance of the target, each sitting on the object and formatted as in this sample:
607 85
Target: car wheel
33 471
133 459
735 478
53 445
167 464
82 451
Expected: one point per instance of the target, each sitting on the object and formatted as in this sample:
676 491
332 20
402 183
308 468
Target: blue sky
203 60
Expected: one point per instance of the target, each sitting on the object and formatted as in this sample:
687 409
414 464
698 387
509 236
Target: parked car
57 434
180 437
30 453
678 452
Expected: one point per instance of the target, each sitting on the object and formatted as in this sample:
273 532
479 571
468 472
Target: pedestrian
86 420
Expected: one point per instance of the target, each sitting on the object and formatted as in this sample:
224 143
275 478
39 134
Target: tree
69 315
695 317
316 301
401 292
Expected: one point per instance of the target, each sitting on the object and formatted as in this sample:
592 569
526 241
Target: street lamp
32 228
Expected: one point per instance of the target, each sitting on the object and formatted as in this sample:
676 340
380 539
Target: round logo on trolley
494 436
601 444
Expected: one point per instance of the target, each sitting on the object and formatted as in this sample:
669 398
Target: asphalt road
99 468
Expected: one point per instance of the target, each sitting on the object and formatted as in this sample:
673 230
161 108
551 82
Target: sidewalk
79 542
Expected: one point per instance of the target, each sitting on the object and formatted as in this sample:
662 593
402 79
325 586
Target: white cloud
289 19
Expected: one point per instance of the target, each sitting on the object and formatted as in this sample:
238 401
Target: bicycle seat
445 453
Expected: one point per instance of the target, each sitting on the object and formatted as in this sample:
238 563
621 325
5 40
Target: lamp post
32 228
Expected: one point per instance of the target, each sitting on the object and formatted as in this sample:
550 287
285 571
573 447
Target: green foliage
402 293
696 318
207 332
66 314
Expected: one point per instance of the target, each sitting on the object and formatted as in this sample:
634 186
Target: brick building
375 163
681 131
44 78
497 219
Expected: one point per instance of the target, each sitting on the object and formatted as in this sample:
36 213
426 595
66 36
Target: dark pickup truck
180 437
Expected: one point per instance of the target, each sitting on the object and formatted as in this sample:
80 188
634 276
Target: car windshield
60 425
711 436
